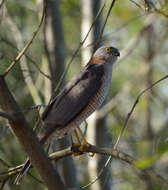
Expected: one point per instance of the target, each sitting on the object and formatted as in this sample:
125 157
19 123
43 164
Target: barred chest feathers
102 81
94 104
103 91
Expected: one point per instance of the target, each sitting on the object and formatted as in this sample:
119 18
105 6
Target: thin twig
34 107
150 8
131 46
28 57
21 53
35 178
4 131
3 184
97 44
76 52
138 5
133 107
94 149
122 130
161 12
1 4
105 22
6 115
118 29
4 163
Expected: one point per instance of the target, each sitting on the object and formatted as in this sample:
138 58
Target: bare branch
94 149
133 107
105 22
4 131
138 5
76 52
21 53
28 139
131 46
4 163
125 124
3 184
1 4
27 56
150 7
34 92
6 116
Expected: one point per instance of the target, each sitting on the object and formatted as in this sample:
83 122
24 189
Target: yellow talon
84 144
78 148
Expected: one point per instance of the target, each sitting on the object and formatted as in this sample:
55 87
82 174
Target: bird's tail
23 172
27 164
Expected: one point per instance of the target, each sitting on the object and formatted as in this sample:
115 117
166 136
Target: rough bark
28 139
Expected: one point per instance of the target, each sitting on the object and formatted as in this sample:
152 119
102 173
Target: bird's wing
75 96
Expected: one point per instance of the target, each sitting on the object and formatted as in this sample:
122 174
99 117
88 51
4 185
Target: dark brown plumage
73 99
79 99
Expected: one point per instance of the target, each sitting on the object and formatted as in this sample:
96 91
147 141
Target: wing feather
75 96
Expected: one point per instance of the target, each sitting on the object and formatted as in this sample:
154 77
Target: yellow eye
108 50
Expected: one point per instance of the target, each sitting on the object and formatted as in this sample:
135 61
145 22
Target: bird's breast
94 104
100 96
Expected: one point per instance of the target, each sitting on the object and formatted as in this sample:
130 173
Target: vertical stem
148 61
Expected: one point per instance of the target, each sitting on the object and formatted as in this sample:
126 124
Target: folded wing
74 97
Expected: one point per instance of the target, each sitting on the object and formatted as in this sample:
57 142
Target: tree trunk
55 50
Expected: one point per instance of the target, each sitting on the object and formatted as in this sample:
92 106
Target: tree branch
21 53
134 105
105 22
126 122
1 3
28 139
148 172
6 115
27 56
76 52
150 7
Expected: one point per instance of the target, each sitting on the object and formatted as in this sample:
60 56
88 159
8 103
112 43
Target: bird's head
107 53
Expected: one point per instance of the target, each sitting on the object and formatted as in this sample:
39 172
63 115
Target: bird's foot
79 149
87 145
75 149
83 145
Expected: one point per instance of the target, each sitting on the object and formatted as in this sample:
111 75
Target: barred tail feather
27 165
23 172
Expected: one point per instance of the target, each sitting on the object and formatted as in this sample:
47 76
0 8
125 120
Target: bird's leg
75 145
84 142
77 137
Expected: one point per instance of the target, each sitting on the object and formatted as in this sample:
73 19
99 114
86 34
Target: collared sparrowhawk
80 97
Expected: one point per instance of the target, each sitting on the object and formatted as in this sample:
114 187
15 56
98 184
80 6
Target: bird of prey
80 97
